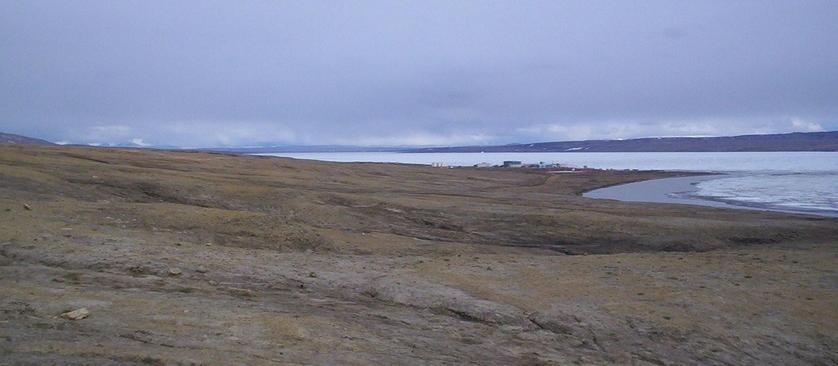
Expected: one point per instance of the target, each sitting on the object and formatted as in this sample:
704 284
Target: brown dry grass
301 262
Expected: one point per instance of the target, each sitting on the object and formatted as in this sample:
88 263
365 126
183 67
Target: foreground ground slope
200 258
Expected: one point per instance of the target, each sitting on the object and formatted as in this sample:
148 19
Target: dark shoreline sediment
682 190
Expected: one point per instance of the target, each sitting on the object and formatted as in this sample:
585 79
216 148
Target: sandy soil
196 258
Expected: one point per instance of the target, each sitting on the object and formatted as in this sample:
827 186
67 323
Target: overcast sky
215 73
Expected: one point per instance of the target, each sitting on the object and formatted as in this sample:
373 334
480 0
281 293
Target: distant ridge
10 138
301 149
798 141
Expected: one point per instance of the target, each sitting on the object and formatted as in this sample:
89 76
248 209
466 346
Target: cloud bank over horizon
213 73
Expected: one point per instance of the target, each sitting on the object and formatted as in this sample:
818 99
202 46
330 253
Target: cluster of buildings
512 164
519 164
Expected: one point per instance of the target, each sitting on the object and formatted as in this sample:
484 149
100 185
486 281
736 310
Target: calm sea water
723 161
806 181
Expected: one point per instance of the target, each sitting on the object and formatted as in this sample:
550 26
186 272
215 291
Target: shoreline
682 190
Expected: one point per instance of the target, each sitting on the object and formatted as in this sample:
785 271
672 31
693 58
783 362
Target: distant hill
9 138
800 141
301 149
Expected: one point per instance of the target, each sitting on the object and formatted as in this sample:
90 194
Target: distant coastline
798 141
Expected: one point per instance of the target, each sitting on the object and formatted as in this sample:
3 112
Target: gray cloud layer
234 72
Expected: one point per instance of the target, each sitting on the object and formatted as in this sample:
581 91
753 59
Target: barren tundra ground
197 258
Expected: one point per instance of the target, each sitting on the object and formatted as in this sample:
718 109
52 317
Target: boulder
77 314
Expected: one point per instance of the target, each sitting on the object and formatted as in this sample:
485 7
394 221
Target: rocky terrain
119 256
